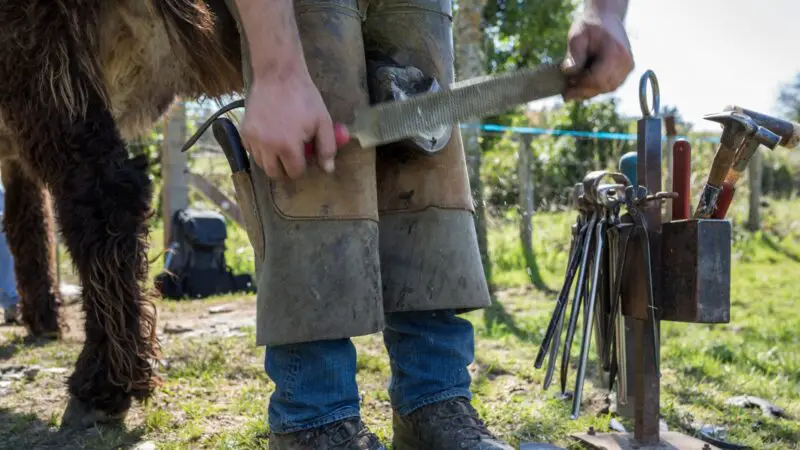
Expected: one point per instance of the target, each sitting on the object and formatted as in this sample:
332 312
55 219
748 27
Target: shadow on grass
533 272
9 349
778 249
496 315
28 431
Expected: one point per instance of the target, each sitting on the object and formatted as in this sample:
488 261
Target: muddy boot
449 424
348 434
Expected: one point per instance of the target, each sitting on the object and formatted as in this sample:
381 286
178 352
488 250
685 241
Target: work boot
449 424
348 434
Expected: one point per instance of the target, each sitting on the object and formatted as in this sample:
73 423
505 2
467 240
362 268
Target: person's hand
599 56
281 116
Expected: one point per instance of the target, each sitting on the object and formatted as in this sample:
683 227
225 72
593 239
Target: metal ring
649 75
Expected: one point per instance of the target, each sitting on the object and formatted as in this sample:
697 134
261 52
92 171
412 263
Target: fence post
755 172
526 210
175 188
525 195
672 133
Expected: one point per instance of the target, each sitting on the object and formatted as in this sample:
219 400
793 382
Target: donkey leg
103 202
55 100
29 228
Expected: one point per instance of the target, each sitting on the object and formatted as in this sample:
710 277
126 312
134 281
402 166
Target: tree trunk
470 63
755 170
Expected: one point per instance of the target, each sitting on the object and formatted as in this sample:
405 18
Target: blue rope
573 133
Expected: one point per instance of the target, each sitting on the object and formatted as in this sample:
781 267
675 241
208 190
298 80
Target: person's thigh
428 245
319 277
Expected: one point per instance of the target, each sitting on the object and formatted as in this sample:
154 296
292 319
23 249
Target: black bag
195 262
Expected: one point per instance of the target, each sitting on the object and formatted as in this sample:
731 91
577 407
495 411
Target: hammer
762 136
788 131
737 127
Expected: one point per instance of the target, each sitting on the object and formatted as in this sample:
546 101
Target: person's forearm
275 51
602 7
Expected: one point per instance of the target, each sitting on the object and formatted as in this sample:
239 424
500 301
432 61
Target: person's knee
432 322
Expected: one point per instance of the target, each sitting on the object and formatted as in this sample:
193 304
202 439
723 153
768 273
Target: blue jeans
8 282
315 382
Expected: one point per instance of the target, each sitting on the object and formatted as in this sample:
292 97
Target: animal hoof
80 415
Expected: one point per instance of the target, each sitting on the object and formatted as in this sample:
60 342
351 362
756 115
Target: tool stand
690 263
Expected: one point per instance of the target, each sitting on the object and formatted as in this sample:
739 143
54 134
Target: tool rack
690 269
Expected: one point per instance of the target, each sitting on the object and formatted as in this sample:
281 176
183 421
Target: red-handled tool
340 133
761 136
724 200
681 177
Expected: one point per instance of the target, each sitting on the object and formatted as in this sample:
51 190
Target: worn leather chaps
392 228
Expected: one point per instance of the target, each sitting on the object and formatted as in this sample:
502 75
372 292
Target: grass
216 393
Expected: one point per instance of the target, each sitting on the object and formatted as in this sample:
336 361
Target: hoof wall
79 415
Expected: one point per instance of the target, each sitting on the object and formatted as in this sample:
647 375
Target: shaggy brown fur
77 77
29 228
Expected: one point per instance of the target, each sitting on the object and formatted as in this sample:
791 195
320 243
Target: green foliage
570 158
150 145
500 176
781 173
523 33
789 99
781 176
558 161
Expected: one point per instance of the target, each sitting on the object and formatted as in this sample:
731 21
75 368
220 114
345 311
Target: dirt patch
218 317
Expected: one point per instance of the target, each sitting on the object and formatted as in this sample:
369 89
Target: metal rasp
474 98
469 99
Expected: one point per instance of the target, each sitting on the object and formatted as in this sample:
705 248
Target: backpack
195 261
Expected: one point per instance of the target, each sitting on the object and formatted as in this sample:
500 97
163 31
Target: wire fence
553 166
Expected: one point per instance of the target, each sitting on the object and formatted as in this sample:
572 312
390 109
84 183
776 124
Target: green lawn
216 393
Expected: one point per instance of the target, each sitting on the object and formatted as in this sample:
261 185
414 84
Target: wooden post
216 196
755 172
175 190
526 210
525 192
672 134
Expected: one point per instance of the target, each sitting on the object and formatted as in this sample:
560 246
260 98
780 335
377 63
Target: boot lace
341 434
459 415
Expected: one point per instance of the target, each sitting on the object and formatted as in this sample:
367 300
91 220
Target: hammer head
788 131
735 119
766 137
736 127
